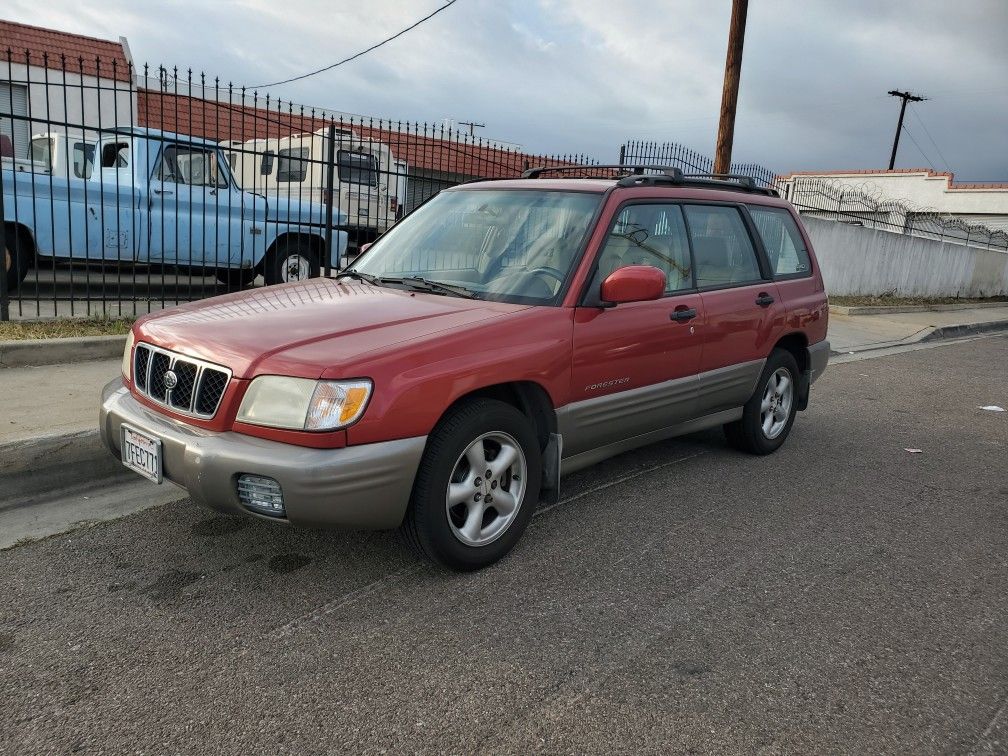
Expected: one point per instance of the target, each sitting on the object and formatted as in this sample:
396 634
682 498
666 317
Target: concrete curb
34 352
897 309
48 463
941 333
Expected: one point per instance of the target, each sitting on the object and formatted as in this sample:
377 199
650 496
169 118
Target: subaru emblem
170 379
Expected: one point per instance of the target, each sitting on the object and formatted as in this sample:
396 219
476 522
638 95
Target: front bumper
365 486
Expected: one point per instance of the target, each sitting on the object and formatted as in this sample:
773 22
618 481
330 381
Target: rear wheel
477 486
769 414
17 258
290 260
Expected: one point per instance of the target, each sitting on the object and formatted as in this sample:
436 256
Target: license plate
141 453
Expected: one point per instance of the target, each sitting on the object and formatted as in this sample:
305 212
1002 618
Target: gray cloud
584 75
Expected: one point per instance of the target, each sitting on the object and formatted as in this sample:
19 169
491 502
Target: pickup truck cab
146 196
501 336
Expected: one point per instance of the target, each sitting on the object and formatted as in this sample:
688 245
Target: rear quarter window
782 240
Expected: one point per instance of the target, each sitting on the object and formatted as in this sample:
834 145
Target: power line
923 126
919 148
356 55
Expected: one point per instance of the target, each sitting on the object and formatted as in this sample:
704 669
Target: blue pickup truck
147 196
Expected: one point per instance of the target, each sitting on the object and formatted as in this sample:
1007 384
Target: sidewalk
859 333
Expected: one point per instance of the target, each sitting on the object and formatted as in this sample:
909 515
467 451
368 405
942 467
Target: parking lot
841 595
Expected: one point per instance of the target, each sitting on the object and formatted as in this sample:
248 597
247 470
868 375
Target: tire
236 279
749 434
441 520
17 258
290 260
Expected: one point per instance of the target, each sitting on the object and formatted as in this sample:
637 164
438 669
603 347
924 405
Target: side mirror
633 283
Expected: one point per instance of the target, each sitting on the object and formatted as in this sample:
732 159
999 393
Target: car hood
308 327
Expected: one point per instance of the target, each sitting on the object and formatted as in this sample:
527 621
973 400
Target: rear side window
722 250
649 235
292 164
784 244
357 168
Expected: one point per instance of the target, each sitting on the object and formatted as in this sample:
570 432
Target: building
58 81
920 190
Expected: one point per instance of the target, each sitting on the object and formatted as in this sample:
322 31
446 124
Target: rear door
635 364
742 307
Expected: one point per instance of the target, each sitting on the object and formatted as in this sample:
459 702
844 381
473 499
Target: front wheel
17 258
477 486
290 261
769 414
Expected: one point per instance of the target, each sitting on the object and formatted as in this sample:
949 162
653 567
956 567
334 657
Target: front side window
507 245
183 164
357 168
782 240
292 164
649 235
83 159
723 253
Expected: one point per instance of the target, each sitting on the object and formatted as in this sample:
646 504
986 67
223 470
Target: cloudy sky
585 75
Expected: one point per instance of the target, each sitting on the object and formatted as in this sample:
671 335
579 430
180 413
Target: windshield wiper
373 280
423 284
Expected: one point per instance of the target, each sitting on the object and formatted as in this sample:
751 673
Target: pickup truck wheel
236 278
17 259
290 261
769 414
477 486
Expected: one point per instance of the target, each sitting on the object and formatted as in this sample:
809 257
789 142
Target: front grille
198 386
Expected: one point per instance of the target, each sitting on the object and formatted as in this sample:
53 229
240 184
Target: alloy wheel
775 409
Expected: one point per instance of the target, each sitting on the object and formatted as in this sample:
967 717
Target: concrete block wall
863 261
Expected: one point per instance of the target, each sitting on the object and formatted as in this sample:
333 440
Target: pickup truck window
293 164
355 168
183 164
513 245
115 155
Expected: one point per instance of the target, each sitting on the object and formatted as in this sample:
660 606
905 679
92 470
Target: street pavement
843 595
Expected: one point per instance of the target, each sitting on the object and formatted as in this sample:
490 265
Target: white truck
369 183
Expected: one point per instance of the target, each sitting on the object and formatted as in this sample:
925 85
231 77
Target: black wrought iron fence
123 191
689 161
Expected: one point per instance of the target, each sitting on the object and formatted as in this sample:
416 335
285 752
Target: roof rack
634 175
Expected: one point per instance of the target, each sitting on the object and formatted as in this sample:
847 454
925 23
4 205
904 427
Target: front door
634 365
195 214
742 307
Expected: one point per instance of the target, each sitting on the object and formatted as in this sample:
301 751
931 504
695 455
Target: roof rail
636 170
634 175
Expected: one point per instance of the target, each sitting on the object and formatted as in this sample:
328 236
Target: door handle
764 299
163 191
681 316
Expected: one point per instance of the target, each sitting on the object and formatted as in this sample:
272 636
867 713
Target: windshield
507 245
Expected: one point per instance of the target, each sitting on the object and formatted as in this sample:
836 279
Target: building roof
950 183
59 50
434 149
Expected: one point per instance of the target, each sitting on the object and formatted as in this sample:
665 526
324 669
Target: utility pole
729 95
906 97
472 126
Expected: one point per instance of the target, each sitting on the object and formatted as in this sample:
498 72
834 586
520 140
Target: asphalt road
841 596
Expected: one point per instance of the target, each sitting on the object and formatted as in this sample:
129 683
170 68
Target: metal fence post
330 166
4 299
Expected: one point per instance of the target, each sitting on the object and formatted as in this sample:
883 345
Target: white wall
858 260
74 99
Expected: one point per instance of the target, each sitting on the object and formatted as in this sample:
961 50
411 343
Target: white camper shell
369 184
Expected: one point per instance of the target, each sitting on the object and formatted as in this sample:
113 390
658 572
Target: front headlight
303 404
127 354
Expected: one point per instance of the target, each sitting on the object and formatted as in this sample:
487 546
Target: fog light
261 494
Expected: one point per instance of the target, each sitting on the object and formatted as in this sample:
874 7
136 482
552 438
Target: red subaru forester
502 335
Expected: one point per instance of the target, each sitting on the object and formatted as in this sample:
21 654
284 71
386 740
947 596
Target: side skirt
593 456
